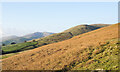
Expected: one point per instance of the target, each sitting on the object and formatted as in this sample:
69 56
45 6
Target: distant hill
67 34
94 50
8 37
37 35
16 40
8 40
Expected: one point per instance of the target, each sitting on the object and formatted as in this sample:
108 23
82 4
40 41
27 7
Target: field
82 52
18 47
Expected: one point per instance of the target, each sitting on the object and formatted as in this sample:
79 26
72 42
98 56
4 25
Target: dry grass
57 56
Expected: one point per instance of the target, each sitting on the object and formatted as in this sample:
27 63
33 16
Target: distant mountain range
9 39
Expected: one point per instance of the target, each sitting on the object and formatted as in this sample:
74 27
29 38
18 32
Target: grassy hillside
80 29
100 25
93 50
103 57
51 38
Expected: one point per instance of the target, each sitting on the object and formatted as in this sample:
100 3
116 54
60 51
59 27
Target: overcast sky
20 18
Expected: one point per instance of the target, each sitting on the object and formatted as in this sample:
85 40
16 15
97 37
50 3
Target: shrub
13 43
25 41
44 43
3 44
35 46
33 40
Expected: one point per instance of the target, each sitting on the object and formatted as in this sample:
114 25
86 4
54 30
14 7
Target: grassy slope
70 54
50 39
100 25
80 29
104 57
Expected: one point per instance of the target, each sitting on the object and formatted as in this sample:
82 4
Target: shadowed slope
62 54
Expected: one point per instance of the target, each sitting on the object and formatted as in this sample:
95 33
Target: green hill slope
80 29
100 25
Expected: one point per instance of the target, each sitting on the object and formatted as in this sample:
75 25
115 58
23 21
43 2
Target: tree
13 43
3 44
25 41
33 40
44 43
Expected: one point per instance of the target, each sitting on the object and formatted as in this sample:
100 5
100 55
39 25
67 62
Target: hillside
8 40
100 25
85 51
80 29
67 34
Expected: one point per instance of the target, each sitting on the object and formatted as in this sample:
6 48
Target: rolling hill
89 51
37 35
80 29
67 34
10 39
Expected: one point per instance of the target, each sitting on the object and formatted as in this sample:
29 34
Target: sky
59 0
21 18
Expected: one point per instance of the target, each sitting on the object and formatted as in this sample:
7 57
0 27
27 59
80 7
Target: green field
18 47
